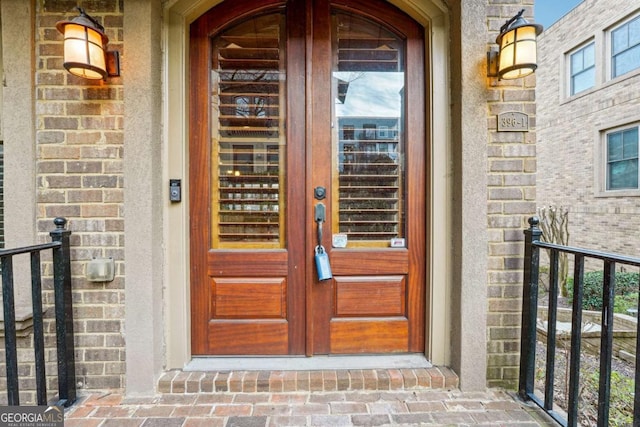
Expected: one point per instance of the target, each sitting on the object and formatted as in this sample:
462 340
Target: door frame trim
178 15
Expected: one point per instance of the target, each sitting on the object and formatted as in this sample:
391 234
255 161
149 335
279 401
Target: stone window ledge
24 323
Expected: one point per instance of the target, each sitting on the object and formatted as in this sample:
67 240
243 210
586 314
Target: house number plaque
513 121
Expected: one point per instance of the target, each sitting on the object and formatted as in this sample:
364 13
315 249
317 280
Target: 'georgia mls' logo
31 416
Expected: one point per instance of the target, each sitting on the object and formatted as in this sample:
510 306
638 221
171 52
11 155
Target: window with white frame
583 68
625 47
622 159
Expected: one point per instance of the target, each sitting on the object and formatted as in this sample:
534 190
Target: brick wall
569 131
79 176
26 372
511 200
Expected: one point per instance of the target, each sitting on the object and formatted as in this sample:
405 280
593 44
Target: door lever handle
320 215
322 259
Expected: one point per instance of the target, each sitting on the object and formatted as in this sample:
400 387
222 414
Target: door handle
321 257
320 215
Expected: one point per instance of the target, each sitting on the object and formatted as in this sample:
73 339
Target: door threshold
302 363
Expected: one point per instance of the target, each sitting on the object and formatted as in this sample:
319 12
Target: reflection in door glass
368 85
248 141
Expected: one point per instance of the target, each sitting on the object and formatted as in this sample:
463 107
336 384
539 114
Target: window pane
619 40
583 81
630 144
614 146
626 61
368 84
634 32
248 142
623 175
576 62
589 55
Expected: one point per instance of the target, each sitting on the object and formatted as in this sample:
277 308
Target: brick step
437 407
238 381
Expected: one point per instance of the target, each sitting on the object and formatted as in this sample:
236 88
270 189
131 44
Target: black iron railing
59 246
529 324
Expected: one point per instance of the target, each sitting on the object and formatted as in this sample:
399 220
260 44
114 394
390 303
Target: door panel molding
389 261
259 298
354 296
234 263
353 336
269 331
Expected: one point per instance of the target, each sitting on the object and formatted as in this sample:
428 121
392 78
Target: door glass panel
368 141
248 140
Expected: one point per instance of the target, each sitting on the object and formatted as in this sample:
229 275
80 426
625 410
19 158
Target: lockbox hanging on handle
322 259
322 264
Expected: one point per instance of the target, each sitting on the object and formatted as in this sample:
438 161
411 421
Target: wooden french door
297 108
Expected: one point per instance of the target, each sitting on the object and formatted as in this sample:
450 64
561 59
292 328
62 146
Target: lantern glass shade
518 52
84 54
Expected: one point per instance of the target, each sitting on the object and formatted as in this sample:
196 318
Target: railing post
64 314
10 341
576 341
38 329
529 308
606 342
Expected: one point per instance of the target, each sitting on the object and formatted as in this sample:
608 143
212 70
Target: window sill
598 87
618 193
24 323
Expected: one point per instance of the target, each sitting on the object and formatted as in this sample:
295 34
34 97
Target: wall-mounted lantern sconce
85 53
517 55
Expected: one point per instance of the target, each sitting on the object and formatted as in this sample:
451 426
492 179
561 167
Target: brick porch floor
376 397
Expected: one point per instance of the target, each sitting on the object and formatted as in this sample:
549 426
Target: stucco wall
570 130
18 121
